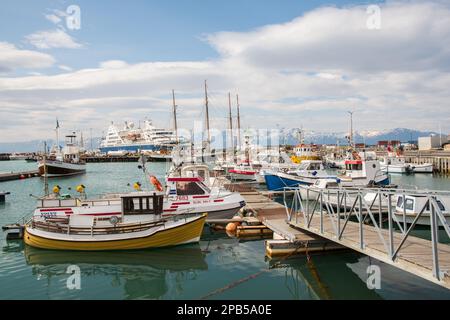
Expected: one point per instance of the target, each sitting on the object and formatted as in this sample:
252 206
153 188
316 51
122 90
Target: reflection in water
145 274
325 276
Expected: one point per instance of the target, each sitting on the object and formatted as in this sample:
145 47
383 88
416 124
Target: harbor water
186 272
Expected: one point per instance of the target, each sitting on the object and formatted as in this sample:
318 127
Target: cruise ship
132 139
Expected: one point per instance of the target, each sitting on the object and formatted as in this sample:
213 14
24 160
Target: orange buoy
156 183
22 176
232 227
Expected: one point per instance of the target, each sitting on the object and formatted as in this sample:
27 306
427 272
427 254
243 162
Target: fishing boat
304 152
307 173
190 189
243 172
421 168
408 207
363 173
271 161
65 162
393 164
132 221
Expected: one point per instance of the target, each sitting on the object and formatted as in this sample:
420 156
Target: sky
293 64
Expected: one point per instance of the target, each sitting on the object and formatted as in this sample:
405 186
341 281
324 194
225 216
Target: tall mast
175 125
207 114
238 121
351 128
231 124
45 169
57 135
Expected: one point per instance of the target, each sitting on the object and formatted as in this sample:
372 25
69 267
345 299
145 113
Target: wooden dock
18 175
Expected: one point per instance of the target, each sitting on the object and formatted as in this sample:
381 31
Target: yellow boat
140 225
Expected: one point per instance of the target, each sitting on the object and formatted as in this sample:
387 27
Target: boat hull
394 169
424 168
277 183
59 169
424 219
177 235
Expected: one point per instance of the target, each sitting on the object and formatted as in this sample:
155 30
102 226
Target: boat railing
317 213
75 202
63 226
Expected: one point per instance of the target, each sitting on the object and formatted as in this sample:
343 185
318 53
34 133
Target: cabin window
314 166
441 206
142 205
400 202
189 188
354 166
409 204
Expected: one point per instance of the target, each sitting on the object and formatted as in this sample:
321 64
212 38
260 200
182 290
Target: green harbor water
191 271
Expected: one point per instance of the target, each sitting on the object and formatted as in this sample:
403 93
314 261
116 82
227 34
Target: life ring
156 183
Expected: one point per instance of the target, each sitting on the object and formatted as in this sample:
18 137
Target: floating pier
427 259
271 220
18 175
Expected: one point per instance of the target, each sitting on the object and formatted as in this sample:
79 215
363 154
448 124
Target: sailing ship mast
45 169
175 116
231 126
207 116
238 122
57 135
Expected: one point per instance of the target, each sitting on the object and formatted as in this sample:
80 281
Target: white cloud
12 58
53 18
113 64
52 39
65 68
411 38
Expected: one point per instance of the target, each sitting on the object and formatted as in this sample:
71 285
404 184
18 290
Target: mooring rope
257 274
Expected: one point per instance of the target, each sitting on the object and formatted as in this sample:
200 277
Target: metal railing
339 205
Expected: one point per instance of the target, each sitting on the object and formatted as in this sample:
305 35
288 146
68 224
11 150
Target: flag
57 123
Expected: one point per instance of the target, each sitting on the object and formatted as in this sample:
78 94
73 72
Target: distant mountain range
38 145
369 137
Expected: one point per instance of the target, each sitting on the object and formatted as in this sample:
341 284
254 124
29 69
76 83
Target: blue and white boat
358 173
307 173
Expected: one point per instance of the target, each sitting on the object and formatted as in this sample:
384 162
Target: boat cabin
142 204
415 204
311 165
326 183
360 168
184 187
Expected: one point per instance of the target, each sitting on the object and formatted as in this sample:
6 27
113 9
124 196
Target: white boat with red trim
243 172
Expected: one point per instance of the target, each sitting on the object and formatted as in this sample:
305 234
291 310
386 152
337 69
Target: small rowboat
140 225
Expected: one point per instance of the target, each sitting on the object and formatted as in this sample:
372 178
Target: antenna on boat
175 125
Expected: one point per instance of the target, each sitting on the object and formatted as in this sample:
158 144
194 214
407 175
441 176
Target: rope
257 274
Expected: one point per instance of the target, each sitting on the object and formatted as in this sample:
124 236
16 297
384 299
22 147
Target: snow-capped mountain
369 137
